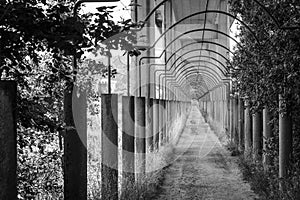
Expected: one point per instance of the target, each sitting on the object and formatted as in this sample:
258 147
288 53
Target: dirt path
203 168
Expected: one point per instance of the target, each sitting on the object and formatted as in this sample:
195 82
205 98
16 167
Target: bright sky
122 9
233 32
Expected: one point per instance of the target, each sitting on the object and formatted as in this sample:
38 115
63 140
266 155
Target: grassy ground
157 162
267 184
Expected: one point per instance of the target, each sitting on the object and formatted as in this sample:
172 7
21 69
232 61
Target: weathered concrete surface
8 141
203 168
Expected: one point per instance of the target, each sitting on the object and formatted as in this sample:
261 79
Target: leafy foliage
38 40
269 66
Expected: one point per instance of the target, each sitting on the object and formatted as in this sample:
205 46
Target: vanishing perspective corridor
203 169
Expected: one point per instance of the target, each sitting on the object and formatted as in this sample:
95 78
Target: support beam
109 146
161 122
247 129
235 122
257 133
168 120
267 134
285 138
128 133
241 125
156 123
149 125
8 140
140 137
231 130
75 143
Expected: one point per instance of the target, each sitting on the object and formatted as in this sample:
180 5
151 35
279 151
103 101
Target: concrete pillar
241 124
235 121
231 120
247 128
225 115
173 115
257 133
161 122
267 134
228 118
212 109
219 111
75 143
109 146
128 133
215 110
156 123
168 119
149 124
208 111
8 140
165 121
285 138
222 113
140 136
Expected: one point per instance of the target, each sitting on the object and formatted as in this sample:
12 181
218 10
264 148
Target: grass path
203 169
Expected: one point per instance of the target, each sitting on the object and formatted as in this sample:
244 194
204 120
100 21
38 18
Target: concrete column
205 106
75 143
285 139
177 109
228 115
222 114
247 128
156 123
168 119
140 136
8 140
215 111
241 124
225 115
218 111
128 133
235 121
161 122
149 124
109 146
267 134
208 111
231 120
212 109
257 133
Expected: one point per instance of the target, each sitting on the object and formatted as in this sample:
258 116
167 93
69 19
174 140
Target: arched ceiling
210 30
196 41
